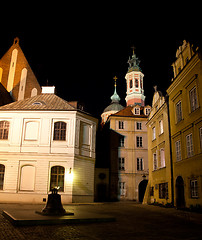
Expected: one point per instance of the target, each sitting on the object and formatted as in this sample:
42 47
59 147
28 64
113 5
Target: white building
45 142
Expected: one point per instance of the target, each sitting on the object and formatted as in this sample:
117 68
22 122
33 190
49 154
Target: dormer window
147 111
137 111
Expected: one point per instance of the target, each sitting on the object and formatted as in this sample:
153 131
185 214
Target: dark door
142 189
180 200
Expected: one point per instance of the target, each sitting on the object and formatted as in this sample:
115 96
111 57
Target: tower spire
134 81
115 97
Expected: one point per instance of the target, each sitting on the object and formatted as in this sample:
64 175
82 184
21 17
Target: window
189 143
131 83
27 180
59 131
179 111
160 127
163 190
139 141
57 178
194 188
121 124
155 161
138 125
4 130
121 163
140 164
122 141
122 188
193 99
178 150
162 157
137 111
85 134
153 133
200 135
136 83
147 111
2 171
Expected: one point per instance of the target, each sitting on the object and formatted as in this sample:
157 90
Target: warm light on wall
69 176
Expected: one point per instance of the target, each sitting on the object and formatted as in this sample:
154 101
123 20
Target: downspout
170 145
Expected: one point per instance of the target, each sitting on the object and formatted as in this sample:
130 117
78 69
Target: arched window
27 180
2 171
57 178
59 131
136 83
131 83
4 129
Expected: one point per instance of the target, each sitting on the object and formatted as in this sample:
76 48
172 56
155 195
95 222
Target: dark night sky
80 48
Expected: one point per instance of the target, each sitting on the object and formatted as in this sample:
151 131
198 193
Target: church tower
134 83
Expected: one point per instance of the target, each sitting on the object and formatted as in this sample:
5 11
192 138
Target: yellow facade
185 103
159 186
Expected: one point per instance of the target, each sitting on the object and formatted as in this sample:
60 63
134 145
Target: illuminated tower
134 82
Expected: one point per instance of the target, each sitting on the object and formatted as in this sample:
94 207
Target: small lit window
57 178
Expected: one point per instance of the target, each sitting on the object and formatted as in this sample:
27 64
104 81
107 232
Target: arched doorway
180 200
141 189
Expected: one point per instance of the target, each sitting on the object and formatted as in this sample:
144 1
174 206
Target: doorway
141 189
180 200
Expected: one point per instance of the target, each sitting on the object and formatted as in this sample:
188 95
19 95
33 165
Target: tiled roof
127 112
40 102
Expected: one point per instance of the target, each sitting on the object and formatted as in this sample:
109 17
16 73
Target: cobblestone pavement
133 221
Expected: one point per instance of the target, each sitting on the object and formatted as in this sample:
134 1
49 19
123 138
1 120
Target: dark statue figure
54 205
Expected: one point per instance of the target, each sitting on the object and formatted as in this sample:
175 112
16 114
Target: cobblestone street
133 221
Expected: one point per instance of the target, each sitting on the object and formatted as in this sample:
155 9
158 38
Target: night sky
79 48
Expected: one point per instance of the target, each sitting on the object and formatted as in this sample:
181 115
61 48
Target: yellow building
185 103
159 189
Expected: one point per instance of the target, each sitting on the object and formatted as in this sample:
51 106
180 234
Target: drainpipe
170 145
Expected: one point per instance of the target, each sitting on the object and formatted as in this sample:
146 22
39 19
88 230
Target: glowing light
69 176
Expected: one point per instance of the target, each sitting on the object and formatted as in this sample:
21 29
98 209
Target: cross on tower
133 47
115 78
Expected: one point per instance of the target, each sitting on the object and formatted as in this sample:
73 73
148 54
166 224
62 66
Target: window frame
121 163
59 134
178 111
57 174
139 141
2 176
140 164
178 152
194 188
4 129
189 145
155 161
193 100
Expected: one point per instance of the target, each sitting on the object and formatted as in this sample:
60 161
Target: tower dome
114 107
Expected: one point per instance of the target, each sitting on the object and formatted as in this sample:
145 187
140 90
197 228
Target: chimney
50 90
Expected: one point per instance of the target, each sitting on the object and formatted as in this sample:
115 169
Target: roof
113 107
127 112
44 102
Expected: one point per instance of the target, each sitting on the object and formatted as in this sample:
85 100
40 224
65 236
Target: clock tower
134 83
